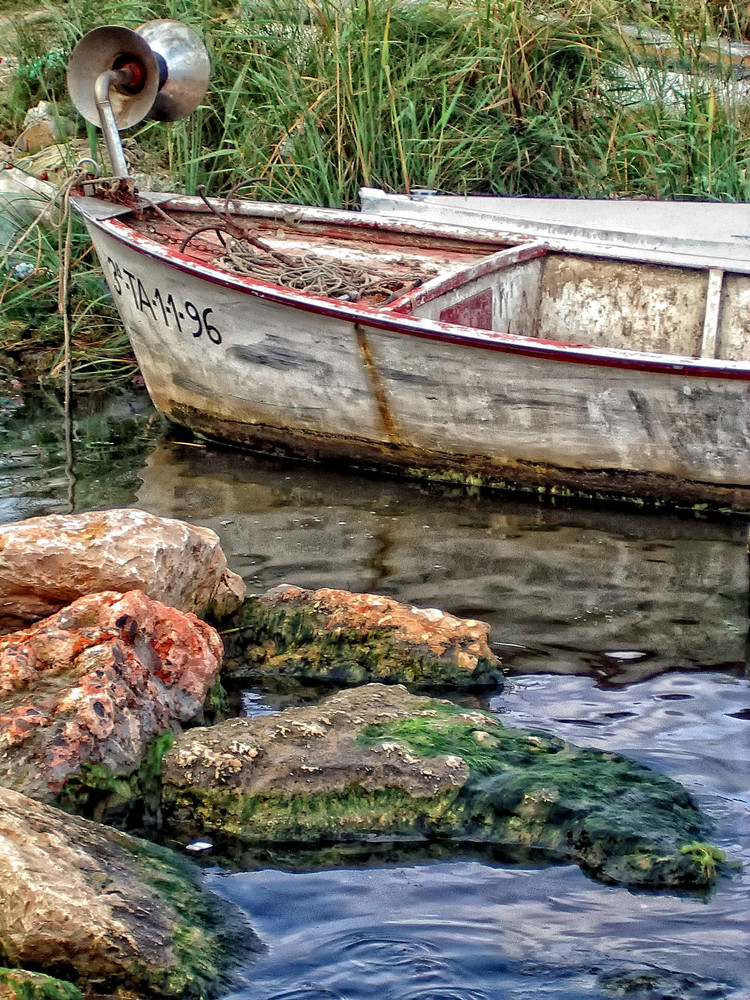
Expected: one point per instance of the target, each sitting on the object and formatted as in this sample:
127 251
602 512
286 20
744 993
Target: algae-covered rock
343 638
653 983
378 761
105 909
17 984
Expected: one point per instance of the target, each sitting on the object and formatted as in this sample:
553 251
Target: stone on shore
378 761
334 636
104 909
86 694
47 562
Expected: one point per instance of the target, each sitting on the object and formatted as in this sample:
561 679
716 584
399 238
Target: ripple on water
378 951
446 993
306 991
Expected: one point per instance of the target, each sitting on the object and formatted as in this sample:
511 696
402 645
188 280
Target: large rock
47 562
378 761
104 909
85 693
344 638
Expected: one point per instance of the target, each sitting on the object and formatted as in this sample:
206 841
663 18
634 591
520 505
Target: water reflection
50 465
466 928
583 604
616 595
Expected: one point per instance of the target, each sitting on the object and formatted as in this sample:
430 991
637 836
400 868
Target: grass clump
506 96
31 314
518 97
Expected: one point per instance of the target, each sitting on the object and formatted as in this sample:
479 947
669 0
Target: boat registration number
185 315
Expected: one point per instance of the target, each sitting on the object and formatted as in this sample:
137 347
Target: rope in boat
316 275
249 255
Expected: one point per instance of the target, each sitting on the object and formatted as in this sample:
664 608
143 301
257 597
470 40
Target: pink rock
47 562
437 630
96 683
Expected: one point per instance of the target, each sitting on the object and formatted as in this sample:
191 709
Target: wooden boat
702 231
483 357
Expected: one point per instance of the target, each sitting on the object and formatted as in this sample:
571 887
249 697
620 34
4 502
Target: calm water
622 631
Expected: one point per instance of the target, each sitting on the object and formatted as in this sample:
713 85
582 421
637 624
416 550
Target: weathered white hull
269 368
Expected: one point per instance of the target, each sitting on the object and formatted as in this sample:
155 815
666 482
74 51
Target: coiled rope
317 275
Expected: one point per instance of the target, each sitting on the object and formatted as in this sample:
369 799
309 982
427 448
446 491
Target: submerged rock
105 909
344 638
653 983
378 761
47 562
85 694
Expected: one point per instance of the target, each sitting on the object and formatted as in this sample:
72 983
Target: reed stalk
321 97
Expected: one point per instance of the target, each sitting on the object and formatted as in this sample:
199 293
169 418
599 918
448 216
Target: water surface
621 630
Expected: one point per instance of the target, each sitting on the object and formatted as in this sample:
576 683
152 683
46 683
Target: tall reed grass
320 97
502 96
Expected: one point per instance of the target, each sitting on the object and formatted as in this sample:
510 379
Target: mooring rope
316 275
247 254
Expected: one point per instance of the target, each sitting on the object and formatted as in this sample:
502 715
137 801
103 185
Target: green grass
31 323
487 96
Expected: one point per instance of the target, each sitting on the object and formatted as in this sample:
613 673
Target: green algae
101 795
348 813
17 984
216 706
526 790
292 642
623 822
205 937
707 856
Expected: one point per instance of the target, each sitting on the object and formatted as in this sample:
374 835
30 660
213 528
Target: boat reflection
619 595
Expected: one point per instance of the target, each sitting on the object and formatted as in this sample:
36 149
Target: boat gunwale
115 227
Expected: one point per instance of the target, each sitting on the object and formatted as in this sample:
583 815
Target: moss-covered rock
343 638
653 983
377 761
17 984
106 910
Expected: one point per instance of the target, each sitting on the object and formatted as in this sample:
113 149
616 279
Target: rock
377 761
47 562
652 983
17 984
42 127
85 694
104 909
339 637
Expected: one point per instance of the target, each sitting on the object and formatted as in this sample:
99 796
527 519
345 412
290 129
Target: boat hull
282 373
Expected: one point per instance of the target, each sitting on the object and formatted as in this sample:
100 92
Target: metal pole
107 118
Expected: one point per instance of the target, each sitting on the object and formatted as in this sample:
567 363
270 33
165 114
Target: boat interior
502 282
